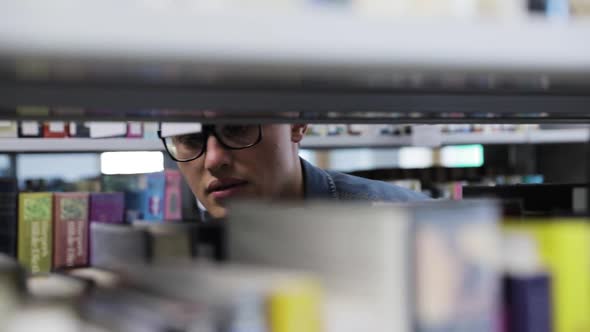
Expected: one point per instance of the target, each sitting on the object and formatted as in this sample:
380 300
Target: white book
107 129
359 252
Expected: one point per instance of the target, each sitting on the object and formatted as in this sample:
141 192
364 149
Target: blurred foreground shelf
362 69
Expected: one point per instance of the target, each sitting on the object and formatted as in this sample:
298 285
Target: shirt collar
318 183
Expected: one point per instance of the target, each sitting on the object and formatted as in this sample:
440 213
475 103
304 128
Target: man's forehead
222 117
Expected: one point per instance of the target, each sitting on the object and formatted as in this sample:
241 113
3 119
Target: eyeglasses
189 147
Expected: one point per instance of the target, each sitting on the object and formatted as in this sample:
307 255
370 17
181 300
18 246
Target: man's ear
298 132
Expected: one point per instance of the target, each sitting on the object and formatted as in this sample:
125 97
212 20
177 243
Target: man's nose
216 156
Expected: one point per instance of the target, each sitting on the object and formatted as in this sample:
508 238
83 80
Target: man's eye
189 140
234 130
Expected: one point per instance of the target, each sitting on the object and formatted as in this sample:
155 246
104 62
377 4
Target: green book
35 231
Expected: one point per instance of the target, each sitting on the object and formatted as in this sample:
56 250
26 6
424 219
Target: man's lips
223 188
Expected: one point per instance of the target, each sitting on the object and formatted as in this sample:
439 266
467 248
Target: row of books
435 266
405 130
51 230
63 129
429 266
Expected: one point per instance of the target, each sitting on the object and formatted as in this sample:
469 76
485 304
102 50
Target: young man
223 162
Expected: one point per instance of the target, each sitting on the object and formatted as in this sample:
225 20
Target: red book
70 235
172 196
135 129
55 129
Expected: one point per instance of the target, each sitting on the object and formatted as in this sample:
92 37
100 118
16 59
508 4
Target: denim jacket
324 184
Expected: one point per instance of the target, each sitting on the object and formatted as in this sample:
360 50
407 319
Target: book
35 245
564 245
134 129
8 216
429 266
78 129
170 242
114 245
70 230
334 241
146 203
153 204
144 194
8 129
172 195
107 129
526 286
30 129
107 207
150 130
55 129
528 303
456 265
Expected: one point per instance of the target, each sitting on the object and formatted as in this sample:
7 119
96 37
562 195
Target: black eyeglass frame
207 131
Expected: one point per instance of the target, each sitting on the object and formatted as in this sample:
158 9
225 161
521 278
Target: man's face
265 170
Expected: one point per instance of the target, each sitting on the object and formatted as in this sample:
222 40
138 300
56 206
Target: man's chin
218 211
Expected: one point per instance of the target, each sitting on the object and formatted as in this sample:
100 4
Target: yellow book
564 245
295 306
35 245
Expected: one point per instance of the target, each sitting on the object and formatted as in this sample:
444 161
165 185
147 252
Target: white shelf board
329 142
547 136
578 135
78 144
486 138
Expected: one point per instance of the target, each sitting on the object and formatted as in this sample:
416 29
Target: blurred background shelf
577 135
546 136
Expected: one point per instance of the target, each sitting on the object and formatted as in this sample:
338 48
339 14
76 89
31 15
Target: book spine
30 129
152 205
35 231
8 129
8 217
107 207
172 196
528 303
116 245
78 129
54 129
134 129
71 230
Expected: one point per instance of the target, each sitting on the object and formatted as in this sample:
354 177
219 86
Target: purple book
527 302
107 207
